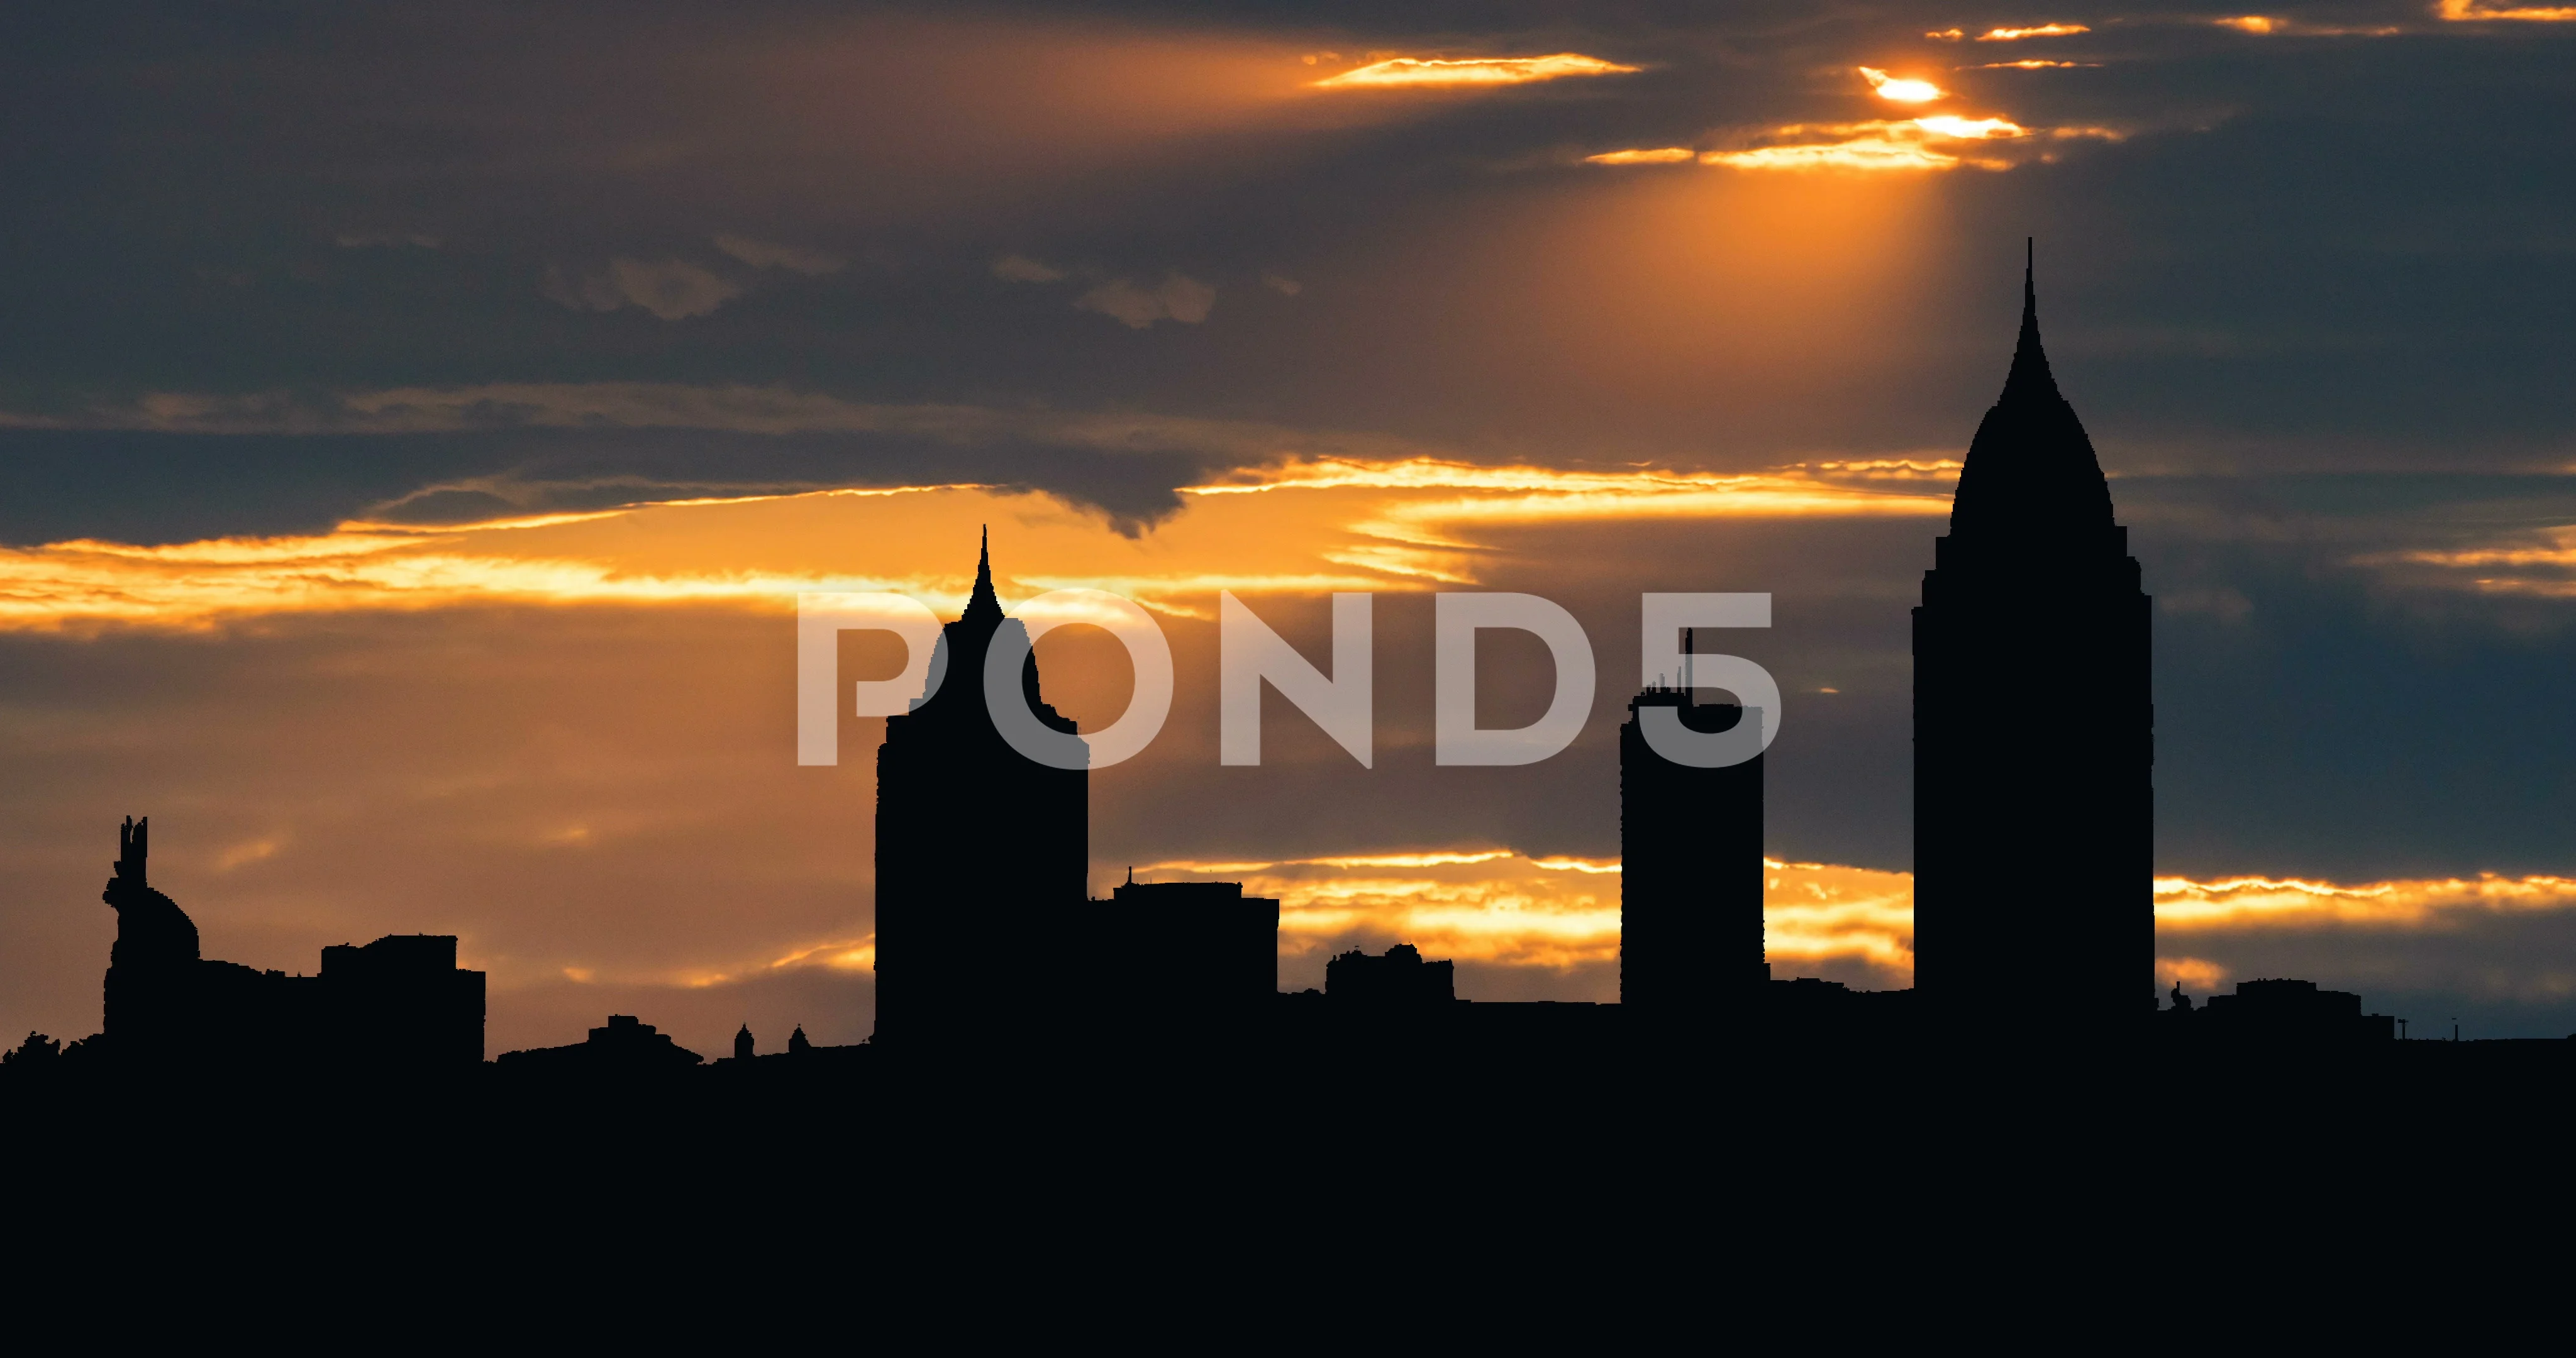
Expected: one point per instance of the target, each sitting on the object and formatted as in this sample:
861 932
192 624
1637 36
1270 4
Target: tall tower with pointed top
982 855
2034 735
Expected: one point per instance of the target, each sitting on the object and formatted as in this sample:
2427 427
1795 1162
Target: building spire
133 848
984 603
2030 375
2030 470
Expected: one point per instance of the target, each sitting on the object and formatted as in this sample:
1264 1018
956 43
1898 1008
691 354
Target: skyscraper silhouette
983 854
2034 733
1690 885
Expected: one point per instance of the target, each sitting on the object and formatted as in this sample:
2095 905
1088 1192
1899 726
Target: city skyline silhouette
2033 708
910 630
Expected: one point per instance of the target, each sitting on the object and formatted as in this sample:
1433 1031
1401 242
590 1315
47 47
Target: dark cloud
159 488
2306 249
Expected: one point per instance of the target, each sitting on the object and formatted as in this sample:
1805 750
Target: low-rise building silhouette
403 1000
399 1003
2281 1011
1205 946
1400 979
623 1045
1196 968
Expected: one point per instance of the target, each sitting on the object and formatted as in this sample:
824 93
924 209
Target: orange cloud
1788 489
2470 11
1900 89
1926 143
1498 907
2041 31
1666 155
1815 915
1946 34
844 954
197 584
2264 24
2545 568
2032 64
2191 973
2184 906
1872 151
855 954
1303 525
1418 72
1970 129
1899 468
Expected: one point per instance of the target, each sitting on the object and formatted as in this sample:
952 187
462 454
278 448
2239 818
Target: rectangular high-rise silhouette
1690 882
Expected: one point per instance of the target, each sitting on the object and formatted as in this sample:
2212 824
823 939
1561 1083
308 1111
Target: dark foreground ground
1314 1115
1574 1195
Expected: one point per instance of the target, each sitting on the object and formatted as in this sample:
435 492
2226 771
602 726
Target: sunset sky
416 425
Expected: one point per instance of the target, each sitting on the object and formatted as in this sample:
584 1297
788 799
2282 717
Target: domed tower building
983 856
2034 737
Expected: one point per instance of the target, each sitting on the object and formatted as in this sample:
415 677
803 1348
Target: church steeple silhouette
2034 729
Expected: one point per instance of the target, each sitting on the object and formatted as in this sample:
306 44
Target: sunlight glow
1899 89
2250 23
2032 64
2041 31
1414 72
